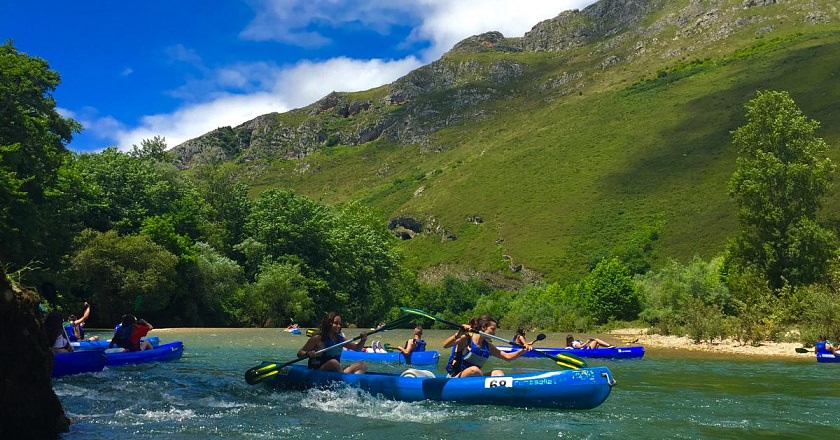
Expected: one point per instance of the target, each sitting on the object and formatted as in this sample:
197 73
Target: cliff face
478 71
443 93
29 407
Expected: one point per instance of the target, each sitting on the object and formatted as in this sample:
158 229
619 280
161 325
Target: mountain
602 131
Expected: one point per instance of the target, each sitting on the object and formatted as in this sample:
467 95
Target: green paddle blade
802 350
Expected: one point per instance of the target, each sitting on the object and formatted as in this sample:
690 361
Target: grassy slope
559 181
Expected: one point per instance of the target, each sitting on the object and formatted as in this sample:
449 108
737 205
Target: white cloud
292 87
233 94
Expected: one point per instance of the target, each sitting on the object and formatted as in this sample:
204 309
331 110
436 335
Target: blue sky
180 68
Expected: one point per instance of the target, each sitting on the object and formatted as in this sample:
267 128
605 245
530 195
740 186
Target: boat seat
414 372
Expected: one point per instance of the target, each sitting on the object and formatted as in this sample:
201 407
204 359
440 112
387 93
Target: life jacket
472 356
419 345
122 337
316 362
819 347
71 335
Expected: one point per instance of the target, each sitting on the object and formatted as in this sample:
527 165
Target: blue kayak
572 389
417 358
631 352
161 353
102 344
77 362
827 358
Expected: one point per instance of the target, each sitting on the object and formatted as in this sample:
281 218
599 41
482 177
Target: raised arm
85 315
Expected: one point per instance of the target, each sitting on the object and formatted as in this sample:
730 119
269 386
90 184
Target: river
667 394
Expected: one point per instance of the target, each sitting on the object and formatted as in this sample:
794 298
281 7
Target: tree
782 173
608 293
122 274
32 147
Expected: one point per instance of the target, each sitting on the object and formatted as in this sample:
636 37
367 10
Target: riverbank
640 336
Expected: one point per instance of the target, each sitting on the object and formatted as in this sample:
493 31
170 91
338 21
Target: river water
668 394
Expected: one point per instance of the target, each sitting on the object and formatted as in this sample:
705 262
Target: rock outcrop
29 407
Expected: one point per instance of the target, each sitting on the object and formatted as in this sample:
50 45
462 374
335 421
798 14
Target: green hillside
590 148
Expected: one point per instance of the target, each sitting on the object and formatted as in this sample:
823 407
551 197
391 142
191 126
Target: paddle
539 337
569 361
265 370
803 350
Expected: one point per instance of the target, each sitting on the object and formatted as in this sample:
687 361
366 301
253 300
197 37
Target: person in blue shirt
331 336
413 345
470 349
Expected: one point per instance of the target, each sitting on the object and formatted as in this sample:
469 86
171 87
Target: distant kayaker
414 344
823 345
76 327
571 342
130 332
330 336
470 352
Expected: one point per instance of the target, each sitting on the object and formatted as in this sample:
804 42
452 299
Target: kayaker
571 342
413 345
130 332
470 352
330 336
823 345
76 327
56 334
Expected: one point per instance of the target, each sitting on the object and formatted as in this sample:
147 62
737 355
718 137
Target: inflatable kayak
77 362
102 344
572 389
631 352
827 357
417 358
161 353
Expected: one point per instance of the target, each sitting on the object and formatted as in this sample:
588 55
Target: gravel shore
640 336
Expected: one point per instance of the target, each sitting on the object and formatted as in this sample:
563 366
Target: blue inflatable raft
162 353
76 362
603 353
417 358
585 388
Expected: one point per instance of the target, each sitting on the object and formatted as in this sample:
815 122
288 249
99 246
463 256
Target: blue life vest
71 335
419 345
316 362
819 347
472 356
122 337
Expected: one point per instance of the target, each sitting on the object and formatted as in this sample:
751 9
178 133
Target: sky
134 70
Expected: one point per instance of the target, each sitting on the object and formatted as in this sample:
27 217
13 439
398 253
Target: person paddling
329 336
470 352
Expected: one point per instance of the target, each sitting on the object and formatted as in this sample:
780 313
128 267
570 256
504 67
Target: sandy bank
640 336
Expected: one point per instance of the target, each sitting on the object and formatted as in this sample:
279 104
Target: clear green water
667 394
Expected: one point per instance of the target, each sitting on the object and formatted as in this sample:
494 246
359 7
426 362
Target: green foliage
224 191
676 296
32 148
279 295
124 273
349 256
608 293
215 282
782 174
758 310
819 304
